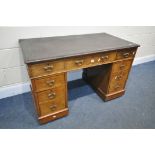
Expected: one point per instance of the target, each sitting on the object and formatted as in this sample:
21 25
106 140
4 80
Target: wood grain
53 116
46 68
90 60
52 106
51 94
122 65
126 53
48 82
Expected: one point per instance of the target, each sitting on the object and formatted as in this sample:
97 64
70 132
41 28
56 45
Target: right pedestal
109 80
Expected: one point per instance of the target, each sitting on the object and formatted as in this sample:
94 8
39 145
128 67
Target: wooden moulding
108 97
53 116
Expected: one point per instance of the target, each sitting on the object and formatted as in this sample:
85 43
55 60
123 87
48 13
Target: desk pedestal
109 80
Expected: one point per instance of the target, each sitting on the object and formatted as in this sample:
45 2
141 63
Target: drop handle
48 68
50 83
117 86
118 77
79 62
122 66
51 95
105 57
126 55
53 107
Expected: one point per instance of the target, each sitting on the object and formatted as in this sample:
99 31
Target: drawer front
51 94
101 58
116 86
117 81
48 82
122 65
46 68
76 63
51 107
126 53
89 60
119 77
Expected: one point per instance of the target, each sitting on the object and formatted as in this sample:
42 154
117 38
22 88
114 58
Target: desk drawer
76 63
46 68
89 60
126 53
116 87
117 81
120 76
52 107
101 58
122 65
51 94
51 81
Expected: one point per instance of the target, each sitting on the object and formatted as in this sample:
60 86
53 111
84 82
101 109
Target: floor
134 110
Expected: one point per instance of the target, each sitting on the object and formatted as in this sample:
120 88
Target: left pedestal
49 94
50 97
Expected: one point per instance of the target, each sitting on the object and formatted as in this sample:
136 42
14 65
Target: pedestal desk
105 59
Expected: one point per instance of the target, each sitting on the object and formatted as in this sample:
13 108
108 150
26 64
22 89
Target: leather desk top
50 48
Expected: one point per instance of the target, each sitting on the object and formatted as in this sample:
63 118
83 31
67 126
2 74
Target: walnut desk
105 59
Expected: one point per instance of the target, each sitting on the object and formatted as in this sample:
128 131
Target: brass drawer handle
53 107
117 86
118 77
125 55
79 62
48 68
104 58
50 83
122 66
51 95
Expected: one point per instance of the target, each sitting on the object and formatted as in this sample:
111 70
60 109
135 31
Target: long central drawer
89 60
